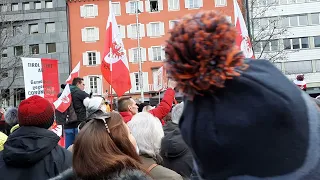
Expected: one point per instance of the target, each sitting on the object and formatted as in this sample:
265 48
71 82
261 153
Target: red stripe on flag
50 79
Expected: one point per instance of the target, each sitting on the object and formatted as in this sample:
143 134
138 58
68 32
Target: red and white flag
64 101
41 77
242 40
114 66
159 79
74 73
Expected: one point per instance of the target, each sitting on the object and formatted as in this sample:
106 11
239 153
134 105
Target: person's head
176 113
62 86
94 104
79 82
36 111
147 108
127 104
148 132
11 116
300 77
104 146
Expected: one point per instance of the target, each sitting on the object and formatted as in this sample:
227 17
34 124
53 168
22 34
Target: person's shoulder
160 172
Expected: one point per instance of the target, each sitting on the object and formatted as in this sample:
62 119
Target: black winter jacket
77 100
32 153
174 151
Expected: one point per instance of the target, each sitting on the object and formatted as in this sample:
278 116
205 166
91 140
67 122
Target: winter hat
92 104
176 113
300 82
36 111
242 119
11 116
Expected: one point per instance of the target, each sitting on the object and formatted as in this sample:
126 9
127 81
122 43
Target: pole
248 19
139 51
110 92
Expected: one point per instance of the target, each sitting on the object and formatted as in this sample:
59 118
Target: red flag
74 73
242 40
64 101
114 66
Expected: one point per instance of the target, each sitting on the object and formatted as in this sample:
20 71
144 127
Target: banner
41 78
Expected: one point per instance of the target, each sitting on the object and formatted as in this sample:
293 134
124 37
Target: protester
300 82
32 151
174 151
148 132
3 139
128 107
78 95
105 148
243 119
147 108
11 118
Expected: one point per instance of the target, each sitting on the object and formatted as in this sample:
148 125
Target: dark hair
123 103
98 153
300 77
62 86
77 80
201 53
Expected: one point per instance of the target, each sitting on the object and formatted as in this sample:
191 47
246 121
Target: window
172 23
154 5
51 47
315 18
3 8
274 45
89 11
173 5
134 30
316 41
194 4
257 47
293 21
296 43
26 6
93 80
17 30
49 4
122 31
18 71
303 20
33 28
92 58
285 22
298 67
90 34
156 52
4 74
220 3
133 6
18 50
50 27
37 5
14 7
136 55
34 49
116 8
4 53
155 29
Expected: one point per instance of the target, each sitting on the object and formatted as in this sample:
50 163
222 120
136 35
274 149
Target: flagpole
110 52
139 52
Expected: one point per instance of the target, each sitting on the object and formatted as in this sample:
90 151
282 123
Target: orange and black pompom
201 53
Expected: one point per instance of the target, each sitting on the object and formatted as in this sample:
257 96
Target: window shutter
161 24
163 53
130 55
122 31
95 9
99 85
86 84
143 54
150 54
145 81
133 82
147 4
149 30
85 60
128 8
186 4
82 11
98 57
84 34
170 3
96 33
142 32
140 6
160 5
200 3
129 31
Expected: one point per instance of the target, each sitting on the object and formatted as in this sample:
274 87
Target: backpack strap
151 167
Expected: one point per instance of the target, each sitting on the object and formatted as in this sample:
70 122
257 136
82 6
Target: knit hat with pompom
92 104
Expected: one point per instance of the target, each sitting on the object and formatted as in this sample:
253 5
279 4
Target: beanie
36 111
242 119
92 104
11 116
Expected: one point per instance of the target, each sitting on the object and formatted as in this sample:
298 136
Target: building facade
32 28
299 44
156 17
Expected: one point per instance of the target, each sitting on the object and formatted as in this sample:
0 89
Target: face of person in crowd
133 108
81 85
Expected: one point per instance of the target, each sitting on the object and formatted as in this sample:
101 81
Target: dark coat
33 153
123 175
174 151
77 100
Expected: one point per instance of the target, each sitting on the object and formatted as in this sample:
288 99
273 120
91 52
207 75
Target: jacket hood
123 175
172 145
73 88
28 145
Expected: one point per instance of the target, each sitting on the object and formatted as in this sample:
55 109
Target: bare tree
11 37
266 30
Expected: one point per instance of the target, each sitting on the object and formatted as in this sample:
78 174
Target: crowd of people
241 119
